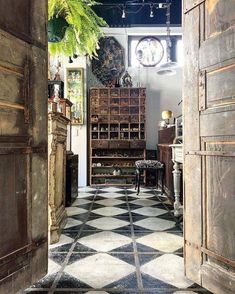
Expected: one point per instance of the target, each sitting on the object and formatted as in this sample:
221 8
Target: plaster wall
163 92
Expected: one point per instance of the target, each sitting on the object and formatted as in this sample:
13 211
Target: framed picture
75 93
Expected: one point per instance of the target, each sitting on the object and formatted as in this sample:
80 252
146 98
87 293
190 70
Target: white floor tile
105 241
86 189
110 195
162 241
81 201
53 267
107 223
63 240
110 202
72 223
75 210
185 292
168 268
141 195
96 292
155 224
111 189
109 211
149 211
99 270
145 202
85 195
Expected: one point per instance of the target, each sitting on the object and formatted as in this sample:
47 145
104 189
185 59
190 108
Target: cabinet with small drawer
117 134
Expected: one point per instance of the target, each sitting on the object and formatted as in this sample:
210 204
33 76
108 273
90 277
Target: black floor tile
137 217
127 257
62 248
145 258
142 248
45 282
81 248
86 227
84 206
35 292
59 258
71 234
150 282
67 281
124 229
141 229
78 256
126 248
96 206
72 229
127 282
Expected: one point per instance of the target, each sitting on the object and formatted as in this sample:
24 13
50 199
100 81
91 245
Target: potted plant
73 27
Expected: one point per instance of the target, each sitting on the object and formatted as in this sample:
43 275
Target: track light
151 11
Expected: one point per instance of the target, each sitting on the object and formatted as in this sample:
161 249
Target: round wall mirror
149 51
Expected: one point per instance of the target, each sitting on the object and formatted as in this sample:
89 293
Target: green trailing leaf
84 29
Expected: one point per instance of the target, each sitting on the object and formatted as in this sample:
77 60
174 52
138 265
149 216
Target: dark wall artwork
109 65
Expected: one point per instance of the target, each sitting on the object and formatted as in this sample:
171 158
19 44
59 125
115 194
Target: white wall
163 92
79 132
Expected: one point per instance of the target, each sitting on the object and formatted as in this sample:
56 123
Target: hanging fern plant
73 27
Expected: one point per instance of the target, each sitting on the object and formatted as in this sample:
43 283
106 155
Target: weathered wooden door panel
23 144
14 234
219 16
209 105
191 122
11 19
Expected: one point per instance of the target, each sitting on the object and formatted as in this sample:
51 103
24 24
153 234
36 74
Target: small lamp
166 115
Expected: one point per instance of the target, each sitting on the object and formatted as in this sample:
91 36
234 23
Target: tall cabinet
117 134
57 136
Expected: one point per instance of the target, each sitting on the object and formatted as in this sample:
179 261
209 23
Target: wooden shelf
125 119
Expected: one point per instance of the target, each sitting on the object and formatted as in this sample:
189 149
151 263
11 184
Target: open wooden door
209 143
23 143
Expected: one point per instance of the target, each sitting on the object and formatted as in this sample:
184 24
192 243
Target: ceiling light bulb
123 13
151 12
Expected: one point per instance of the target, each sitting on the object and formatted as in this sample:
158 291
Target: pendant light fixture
169 67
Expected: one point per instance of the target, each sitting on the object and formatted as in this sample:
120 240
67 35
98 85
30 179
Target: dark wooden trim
25 38
22 150
195 4
218 257
211 153
24 250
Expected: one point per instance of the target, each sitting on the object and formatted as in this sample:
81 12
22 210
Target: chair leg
162 174
136 178
138 182
157 183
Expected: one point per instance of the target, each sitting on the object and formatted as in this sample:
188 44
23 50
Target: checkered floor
117 242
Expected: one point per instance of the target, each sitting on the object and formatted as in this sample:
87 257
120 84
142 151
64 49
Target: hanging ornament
169 67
